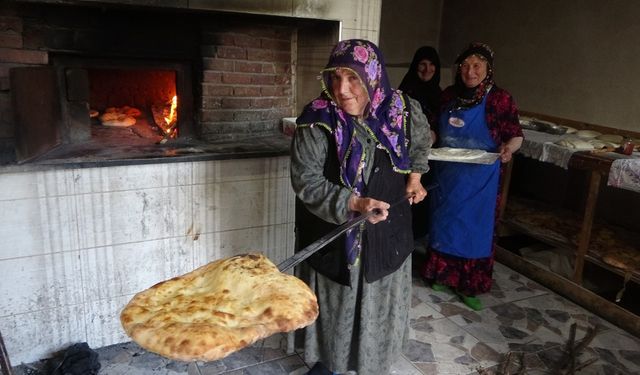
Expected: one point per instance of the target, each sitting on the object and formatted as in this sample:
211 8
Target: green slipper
440 288
473 302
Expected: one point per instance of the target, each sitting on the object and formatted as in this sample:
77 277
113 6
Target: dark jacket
385 245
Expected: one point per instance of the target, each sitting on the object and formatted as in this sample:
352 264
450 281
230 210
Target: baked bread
449 153
218 309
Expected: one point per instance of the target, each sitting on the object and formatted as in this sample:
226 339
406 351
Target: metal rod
5 365
316 245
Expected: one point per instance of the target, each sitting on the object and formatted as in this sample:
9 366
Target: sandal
440 288
472 302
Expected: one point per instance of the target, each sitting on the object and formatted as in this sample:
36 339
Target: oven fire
166 117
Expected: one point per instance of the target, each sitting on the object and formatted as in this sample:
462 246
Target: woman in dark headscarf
422 81
475 114
351 155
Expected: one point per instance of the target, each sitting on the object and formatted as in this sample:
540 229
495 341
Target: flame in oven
173 113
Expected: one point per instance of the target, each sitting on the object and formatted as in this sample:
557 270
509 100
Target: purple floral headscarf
384 117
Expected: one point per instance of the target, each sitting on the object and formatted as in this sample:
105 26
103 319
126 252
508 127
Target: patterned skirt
361 328
467 276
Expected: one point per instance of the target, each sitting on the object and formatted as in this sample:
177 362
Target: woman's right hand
365 205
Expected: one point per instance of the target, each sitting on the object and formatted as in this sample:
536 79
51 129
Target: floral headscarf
469 97
384 117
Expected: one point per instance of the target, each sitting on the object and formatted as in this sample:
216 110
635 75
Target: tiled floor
520 317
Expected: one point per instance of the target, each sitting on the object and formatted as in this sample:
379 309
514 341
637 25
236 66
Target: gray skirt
360 328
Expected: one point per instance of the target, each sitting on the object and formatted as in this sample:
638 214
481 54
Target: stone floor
520 320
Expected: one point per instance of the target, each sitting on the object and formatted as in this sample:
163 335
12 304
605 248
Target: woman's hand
365 205
414 189
508 148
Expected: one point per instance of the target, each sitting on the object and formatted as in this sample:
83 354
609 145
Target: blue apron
463 208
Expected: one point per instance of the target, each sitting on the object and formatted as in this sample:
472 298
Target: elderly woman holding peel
359 147
476 114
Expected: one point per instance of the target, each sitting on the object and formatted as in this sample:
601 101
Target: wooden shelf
560 228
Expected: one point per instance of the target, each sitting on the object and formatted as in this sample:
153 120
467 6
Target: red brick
276 113
231 52
263 79
263 55
246 41
11 24
218 64
217 115
282 56
282 79
282 68
210 102
269 91
246 91
217 90
268 68
236 78
10 40
23 56
248 67
274 44
281 102
233 103
265 103
247 115
212 77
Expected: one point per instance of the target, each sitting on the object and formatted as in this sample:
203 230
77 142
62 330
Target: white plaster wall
79 243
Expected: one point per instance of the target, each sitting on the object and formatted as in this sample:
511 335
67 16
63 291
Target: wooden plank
37 111
587 224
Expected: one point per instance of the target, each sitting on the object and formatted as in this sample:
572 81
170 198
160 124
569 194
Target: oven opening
136 102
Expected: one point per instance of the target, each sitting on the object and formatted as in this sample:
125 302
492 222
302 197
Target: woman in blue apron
476 114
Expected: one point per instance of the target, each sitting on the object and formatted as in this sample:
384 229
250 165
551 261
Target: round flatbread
588 134
613 138
598 144
575 144
218 309
451 153
117 120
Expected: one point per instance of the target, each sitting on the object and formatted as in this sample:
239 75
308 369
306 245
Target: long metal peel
318 244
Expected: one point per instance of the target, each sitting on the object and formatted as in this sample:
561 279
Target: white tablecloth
624 172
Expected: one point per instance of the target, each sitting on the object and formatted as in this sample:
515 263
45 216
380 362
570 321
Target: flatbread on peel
218 309
451 153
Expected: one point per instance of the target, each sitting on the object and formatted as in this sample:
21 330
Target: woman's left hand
505 153
414 189
508 148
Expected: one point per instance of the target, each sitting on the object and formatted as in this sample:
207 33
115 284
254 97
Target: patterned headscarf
469 97
384 117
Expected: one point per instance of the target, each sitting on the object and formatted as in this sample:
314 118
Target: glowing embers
166 117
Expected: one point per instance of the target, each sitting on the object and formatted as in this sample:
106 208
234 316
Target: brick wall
246 84
241 63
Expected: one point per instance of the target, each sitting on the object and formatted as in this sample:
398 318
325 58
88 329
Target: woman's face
349 92
426 70
473 70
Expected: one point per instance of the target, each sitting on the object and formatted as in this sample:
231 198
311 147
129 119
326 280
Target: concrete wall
405 26
575 60
77 244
